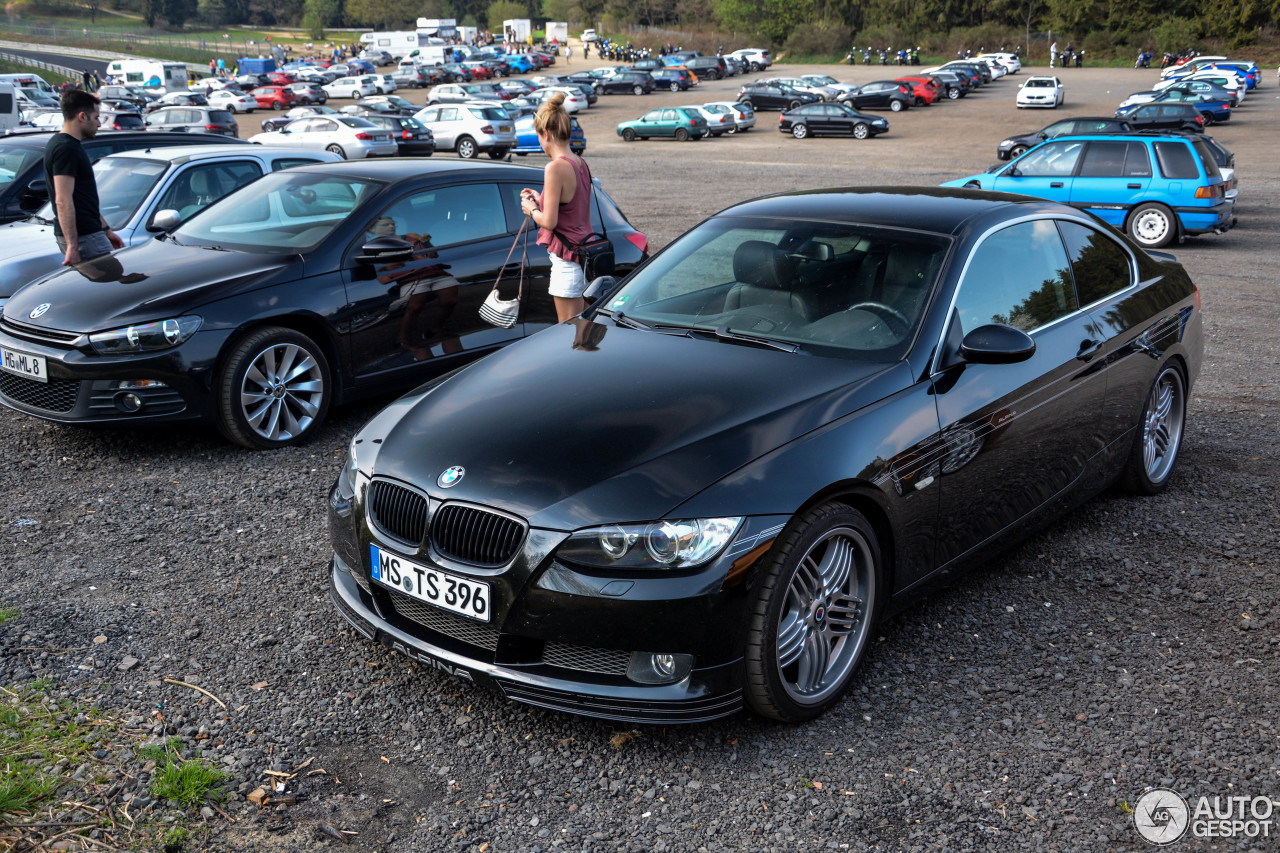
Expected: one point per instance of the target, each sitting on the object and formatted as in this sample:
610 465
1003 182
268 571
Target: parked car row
689 122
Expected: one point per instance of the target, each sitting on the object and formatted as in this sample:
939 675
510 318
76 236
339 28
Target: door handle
1055 183
1135 186
1088 349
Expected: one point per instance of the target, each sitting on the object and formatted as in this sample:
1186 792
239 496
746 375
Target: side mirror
385 250
164 221
598 287
34 196
997 344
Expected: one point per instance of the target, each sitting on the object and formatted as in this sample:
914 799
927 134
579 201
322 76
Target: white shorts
567 278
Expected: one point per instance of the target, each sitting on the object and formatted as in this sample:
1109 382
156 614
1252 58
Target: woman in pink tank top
562 211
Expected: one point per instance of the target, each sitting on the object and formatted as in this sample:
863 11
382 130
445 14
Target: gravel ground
1135 643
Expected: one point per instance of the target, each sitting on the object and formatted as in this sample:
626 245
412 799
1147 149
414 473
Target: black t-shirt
64 155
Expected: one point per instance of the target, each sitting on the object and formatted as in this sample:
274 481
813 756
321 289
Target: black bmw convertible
792 422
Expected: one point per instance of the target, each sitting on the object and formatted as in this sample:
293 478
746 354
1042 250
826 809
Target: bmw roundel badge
39 310
451 477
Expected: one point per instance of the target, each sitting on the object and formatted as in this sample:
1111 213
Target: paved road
68 60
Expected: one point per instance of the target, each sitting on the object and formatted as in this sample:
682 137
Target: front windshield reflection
831 288
291 211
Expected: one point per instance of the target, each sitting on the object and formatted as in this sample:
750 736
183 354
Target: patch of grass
188 783
8 614
36 735
175 837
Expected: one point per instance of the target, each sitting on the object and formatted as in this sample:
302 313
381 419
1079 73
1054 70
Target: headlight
656 545
1006 143
146 337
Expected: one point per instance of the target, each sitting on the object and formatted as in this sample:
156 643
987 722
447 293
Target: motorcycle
1144 60
851 58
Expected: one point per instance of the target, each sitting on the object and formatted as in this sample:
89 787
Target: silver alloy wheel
281 392
826 615
1162 425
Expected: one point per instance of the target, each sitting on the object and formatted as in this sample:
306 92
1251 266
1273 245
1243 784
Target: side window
669 115
1103 160
1101 267
1051 160
652 115
430 115
1176 160
200 186
450 215
289 162
1060 128
1020 277
449 114
1137 164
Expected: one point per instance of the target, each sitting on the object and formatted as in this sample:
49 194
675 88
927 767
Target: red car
924 90
273 97
280 78
479 71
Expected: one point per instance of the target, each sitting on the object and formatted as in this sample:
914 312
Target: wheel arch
311 326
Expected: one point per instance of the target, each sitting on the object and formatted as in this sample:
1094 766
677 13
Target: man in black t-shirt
78 225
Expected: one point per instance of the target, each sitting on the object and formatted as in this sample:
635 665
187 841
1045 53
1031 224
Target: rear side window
221 117
1176 160
1020 277
1207 159
1100 266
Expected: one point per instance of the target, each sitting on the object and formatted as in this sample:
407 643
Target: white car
1010 61
1220 77
588 35
574 100
829 82
45 121
757 59
144 193
825 92
351 87
386 83
199 85
719 121
1190 64
998 68
350 137
1045 92
233 100
744 118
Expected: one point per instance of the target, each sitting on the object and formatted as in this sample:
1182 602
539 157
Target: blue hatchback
1157 188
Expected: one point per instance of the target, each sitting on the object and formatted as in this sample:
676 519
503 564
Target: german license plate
24 364
464 596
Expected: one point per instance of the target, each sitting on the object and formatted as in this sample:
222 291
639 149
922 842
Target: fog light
136 384
662 668
128 402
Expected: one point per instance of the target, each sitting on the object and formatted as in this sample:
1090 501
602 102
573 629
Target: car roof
391 169
179 154
940 210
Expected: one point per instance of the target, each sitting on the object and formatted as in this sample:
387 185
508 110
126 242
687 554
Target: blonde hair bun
551 118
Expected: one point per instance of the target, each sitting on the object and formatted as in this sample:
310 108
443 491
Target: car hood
569 438
149 281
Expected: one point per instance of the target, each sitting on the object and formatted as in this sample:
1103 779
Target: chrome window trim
937 365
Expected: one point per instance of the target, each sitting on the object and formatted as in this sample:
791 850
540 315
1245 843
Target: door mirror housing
997 344
164 221
385 250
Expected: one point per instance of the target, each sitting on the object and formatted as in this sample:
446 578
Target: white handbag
500 312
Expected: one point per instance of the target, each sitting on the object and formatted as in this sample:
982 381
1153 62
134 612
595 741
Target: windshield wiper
723 333
631 322
39 219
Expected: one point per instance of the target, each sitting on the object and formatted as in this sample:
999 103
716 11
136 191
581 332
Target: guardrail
19 59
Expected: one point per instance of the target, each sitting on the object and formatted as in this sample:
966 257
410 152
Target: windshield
285 211
835 289
123 184
15 159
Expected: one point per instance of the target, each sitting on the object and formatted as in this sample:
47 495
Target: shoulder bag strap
516 242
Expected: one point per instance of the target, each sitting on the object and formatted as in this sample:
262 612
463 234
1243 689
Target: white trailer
153 74
517 30
557 30
395 43
441 28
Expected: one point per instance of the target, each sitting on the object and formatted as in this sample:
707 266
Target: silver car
143 193
744 118
350 137
470 128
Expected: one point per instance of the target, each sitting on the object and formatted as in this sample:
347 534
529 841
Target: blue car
527 138
1156 187
519 63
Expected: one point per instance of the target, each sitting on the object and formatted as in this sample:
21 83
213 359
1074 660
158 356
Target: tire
1152 225
953 94
1017 151
755 66
337 149
1208 120
277 105
920 102
895 106
681 135
355 96
1159 438
628 135
273 390
675 87
793 105
466 148
747 103
861 130
497 154
800 130
637 90
816 601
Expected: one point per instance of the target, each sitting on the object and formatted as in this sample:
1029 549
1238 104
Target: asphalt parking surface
1135 643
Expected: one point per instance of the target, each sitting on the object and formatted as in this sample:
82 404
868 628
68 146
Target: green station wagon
674 122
